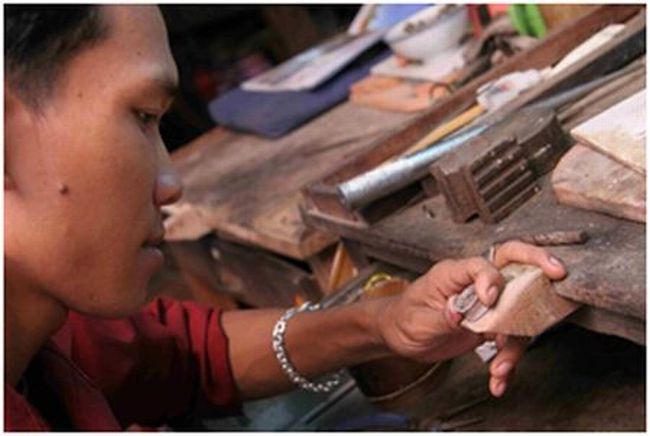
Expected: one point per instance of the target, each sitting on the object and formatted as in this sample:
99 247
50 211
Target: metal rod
374 184
580 91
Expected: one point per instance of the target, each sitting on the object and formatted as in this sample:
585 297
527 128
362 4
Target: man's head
39 40
85 168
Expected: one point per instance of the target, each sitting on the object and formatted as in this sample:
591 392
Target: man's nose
169 187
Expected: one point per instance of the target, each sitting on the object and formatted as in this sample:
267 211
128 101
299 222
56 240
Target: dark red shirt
157 367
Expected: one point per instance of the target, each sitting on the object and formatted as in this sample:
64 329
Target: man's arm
418 324
316 343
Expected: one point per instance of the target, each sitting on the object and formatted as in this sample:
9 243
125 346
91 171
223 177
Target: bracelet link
281 355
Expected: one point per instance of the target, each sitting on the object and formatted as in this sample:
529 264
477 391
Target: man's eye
147 118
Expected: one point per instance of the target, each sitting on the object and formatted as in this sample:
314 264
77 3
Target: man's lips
156 239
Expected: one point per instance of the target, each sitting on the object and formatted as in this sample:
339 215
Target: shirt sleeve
164 363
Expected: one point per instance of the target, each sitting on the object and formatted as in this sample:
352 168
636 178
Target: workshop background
326 148
218 47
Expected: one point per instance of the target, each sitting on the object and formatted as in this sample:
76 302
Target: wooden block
527 306
589 180
605 96
400 95
619 132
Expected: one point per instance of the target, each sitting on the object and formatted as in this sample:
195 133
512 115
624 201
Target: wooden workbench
608 272
246 188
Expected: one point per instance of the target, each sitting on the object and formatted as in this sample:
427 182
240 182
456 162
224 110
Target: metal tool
374 184
467 304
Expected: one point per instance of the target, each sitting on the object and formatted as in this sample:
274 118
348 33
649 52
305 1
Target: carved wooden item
527 306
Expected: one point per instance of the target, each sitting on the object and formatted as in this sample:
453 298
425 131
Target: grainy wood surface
246 188
527 306
590 180
608 271
618 132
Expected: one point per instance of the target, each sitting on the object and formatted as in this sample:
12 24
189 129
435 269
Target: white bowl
428 32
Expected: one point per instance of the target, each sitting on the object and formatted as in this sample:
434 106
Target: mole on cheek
63 189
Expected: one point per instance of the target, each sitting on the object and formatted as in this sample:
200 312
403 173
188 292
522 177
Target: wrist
375 313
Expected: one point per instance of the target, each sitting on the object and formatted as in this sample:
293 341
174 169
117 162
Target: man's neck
31 317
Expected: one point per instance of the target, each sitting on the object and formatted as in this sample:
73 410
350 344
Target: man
86 173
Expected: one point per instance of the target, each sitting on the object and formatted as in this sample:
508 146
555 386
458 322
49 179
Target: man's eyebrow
167 85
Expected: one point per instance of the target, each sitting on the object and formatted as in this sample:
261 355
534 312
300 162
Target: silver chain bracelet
281 354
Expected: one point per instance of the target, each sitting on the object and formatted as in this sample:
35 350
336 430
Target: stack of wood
605 170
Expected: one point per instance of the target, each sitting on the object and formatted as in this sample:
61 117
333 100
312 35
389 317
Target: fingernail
555 261
499 388
503 368
455 317
493 294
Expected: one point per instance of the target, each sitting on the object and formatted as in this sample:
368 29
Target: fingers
517 251
488 283
452 317
511 350
486 278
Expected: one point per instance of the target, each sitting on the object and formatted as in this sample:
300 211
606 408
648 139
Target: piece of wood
619 132
447 128
320 265
587 179
399 95
605 97
527 306
343 269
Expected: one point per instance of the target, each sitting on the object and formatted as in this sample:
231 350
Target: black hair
41 39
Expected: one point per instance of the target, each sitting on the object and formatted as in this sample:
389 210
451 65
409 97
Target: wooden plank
393 94
619 132
605 97
246 188
587 179
604 321
427 232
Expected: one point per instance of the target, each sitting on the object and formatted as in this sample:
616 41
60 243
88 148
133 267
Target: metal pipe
374 184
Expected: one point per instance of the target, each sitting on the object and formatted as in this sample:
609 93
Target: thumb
452 317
